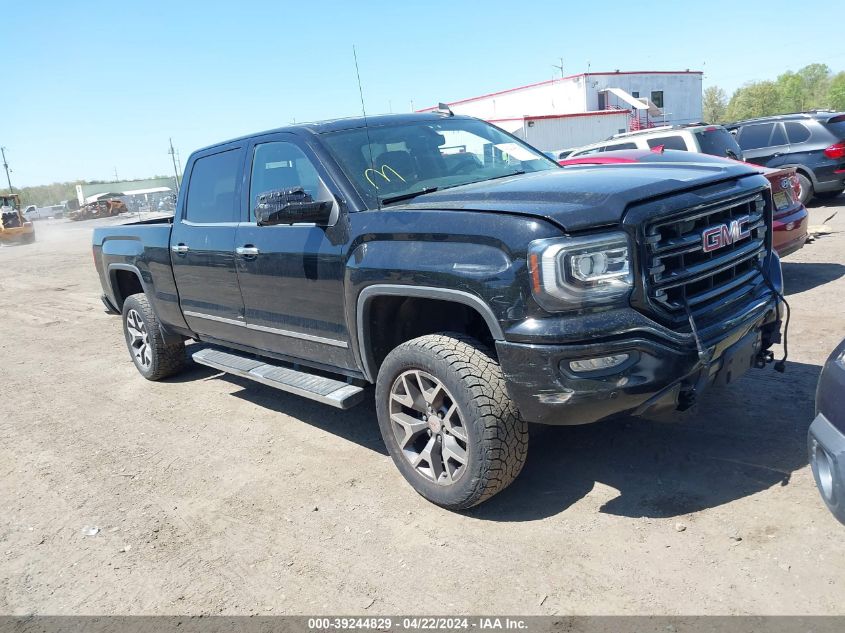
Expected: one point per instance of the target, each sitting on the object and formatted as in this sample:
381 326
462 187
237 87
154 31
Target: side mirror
289 206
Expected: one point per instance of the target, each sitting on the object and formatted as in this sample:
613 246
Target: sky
97 87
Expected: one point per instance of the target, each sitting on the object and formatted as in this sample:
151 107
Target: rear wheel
153 358
806 188
447 420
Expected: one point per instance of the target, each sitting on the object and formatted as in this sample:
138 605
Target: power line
173 154
6 167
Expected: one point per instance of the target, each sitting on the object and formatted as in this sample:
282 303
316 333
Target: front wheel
447 420
153 358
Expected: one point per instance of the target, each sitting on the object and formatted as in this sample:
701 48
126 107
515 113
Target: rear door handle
179 249
247 251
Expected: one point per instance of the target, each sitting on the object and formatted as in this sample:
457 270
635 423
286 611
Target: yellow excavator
14 227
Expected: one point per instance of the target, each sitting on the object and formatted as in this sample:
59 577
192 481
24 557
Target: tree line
46 195
812 87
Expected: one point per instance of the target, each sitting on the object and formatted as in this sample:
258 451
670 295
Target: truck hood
578 197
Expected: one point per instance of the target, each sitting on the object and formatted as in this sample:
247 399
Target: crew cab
477 284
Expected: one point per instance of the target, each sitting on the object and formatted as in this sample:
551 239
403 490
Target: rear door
764 143
202 245
291 276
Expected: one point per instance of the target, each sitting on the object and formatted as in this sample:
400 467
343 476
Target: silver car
826 439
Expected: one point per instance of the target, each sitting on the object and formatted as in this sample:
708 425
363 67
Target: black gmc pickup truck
476 283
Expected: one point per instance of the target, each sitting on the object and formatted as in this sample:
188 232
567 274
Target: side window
211 190
280 165
797 132
755 136
613 148
668 142
778 135
657 98
588 152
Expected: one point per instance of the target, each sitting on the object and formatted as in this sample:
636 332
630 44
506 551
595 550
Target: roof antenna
443 108
366 125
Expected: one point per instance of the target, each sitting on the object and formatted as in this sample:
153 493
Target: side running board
326 390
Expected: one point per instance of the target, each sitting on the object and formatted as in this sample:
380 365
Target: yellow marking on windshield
381 172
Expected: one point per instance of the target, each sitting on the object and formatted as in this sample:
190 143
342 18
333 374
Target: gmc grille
678 270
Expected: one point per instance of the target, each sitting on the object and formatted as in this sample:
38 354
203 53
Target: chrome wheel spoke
411 426
452 450
452 422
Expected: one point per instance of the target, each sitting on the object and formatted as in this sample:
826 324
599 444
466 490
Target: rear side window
778 135
211 190
668 142
718 142
796 132
837 128
613 148
755 136
587 152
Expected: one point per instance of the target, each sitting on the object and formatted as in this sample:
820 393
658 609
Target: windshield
413 158
718 141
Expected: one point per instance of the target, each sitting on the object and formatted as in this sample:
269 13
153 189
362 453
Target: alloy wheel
139 339
428 427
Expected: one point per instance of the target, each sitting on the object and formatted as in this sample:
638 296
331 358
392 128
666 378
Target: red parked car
789 220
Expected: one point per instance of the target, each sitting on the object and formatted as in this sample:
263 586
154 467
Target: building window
636 94
657 98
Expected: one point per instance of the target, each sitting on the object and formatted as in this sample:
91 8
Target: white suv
702 139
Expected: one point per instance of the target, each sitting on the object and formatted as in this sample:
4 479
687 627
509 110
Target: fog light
597 364
824 470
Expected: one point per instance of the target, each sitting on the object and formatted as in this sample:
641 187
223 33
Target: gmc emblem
722 235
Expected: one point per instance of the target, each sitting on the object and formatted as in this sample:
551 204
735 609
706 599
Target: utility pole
6 167
115 174
559 67
172 153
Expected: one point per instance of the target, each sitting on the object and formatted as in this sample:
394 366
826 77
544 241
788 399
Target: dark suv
812 142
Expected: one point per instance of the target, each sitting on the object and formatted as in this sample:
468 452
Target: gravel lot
216 495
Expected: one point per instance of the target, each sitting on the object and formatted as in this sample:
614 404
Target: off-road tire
497 437
166 359
807 192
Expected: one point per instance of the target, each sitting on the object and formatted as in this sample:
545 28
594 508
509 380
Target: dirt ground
217 495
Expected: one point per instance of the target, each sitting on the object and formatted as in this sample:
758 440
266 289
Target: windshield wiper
513 173
408 196
472 182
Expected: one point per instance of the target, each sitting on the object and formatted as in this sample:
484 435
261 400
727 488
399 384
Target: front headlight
571 273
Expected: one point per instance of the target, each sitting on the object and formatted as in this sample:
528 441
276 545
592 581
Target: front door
202 247
291 276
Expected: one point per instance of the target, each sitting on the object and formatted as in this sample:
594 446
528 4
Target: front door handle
179 249
248 251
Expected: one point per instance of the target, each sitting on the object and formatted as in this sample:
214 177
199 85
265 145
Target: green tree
816 78
714 104
754 100
836 92
793 92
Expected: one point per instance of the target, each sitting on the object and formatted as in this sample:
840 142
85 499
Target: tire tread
168 359
504 432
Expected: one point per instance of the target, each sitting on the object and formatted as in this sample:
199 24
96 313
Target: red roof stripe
528 117
552 81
